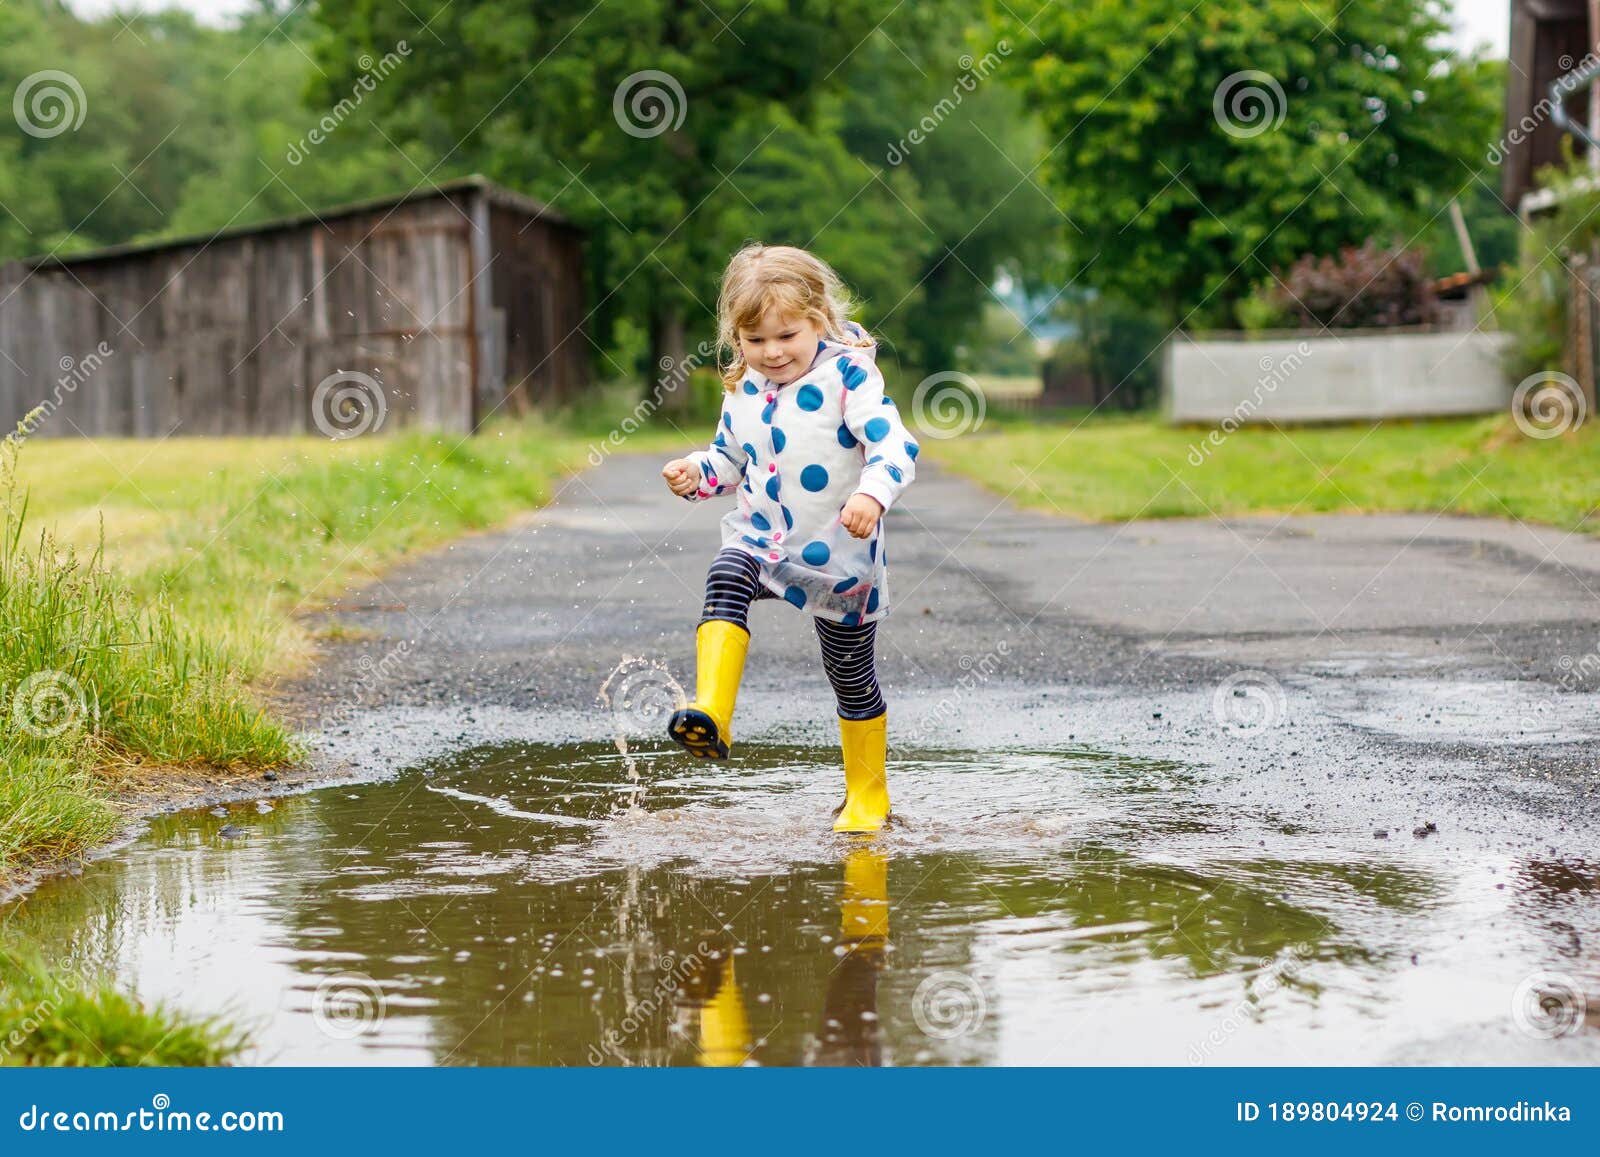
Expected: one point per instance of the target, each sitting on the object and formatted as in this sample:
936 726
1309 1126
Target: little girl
816 452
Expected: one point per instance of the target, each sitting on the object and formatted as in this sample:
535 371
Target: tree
1196 149
630 115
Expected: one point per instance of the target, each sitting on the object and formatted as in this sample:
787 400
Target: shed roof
496 193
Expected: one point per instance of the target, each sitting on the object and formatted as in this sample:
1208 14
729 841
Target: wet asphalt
1380 671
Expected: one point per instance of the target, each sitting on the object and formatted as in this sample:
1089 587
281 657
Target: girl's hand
682 475
860 515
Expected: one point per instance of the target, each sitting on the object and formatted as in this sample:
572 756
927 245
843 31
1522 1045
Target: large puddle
537 904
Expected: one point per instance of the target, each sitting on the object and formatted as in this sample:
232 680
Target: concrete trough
1337 377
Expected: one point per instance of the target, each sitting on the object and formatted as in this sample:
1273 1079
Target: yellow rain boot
704 727
851 1032
864 907
866 786
724 1027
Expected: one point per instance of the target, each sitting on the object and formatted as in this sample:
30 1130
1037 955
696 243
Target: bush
1361 287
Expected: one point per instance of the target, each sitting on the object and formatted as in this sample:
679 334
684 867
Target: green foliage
1267 307
1119 343
1491 223
1531 300
789 109
56 1017
201 121
1170 206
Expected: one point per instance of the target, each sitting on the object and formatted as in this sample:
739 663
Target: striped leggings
848 657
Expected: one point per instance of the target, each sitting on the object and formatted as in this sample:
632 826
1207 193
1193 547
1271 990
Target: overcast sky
1477 21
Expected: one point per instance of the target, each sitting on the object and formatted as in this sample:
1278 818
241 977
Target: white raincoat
795 454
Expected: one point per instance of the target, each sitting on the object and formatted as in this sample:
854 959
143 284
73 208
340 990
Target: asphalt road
1447 663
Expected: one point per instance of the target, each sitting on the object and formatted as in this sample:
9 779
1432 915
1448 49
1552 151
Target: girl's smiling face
781 348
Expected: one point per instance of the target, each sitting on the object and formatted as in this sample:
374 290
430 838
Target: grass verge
146 592
1125 467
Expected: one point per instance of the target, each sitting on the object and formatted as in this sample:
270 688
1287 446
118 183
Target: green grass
1134 466
52 1017
146 591
146 598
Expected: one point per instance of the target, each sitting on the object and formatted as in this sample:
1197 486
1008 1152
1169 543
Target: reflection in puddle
529 904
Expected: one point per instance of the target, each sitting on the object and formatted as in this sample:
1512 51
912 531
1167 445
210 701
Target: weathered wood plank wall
235 336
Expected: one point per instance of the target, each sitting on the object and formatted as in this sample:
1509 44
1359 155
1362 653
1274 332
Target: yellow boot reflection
713 989
851 1031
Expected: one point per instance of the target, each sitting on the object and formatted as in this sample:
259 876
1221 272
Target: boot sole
697 733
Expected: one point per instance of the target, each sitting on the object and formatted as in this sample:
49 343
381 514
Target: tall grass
92 678
151 655
151 660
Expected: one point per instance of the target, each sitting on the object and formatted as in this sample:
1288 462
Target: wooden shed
435 309
1549 39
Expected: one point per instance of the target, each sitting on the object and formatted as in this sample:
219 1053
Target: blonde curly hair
799 284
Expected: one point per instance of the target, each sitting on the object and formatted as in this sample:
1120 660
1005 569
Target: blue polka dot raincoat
794 454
